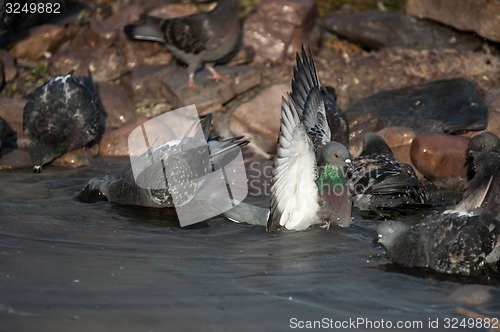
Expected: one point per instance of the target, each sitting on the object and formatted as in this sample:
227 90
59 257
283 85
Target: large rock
11 110
278 28
117 104
447 106
259 119
42 40
114 142
211 95
437 155
375 30
9 66
480 16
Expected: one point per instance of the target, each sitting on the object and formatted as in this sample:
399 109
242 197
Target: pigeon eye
336 155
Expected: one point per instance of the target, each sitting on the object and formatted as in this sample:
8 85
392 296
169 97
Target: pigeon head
334 153
42 154
482 143
389 231
374 143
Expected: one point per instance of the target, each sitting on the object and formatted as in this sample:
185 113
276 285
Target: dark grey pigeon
380 185
188 160
480 144
486 169
337 121
197 39
465 240
63 114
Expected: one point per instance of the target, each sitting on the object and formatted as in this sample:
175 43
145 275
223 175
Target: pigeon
337 121
480 144
187 160
381 186
63 114
201 38
308 184
463 241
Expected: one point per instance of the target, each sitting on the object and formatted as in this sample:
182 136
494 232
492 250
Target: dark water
66 265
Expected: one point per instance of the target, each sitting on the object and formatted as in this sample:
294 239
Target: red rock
9 66
278 28
11 110
438 155
15 159
259 119
114 142
117 104
42 39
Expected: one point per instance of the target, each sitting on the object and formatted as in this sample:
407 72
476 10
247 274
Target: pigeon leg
191 84
215 75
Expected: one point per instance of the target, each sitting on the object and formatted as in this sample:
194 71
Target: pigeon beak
37 169
377 239
347 161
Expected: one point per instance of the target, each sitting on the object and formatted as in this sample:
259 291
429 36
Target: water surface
66 265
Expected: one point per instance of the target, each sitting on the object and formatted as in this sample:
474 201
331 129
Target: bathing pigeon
197 39
480 144
188 160
464 241
380 185
63 114
308 184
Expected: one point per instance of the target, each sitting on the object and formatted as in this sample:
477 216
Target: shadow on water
66 265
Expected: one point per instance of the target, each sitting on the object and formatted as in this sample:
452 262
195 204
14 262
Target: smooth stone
396 136
437 155
448 106
259 118
480 16
276 29
114 142
117 104
211 95
375 30
11 110
42 40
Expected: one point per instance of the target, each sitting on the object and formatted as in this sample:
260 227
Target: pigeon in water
63 114
380 185
308 184
185 161
197 39
465 240
337 121
480 144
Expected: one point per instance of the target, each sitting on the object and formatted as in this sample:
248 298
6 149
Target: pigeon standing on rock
63 114
382 186
197 39
465 240
309 185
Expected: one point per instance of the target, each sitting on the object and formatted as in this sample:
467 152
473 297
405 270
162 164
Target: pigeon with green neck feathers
309 185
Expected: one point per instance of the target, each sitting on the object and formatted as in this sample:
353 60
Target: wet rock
9 66
11 110
211 95
480 16
259 118
438 155
145 84
375 30
75 158
42 40
114 142
278 28
358 76
117 104
16 158
94 51
448 106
